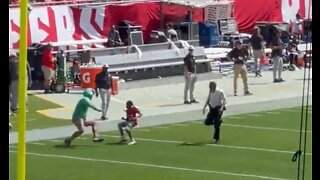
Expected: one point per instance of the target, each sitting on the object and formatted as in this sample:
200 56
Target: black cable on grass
304 121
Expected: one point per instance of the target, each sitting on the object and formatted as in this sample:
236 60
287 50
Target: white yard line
35 143
254 115
264 128
161 127
216 145
82 138
153 166
235 117
291 110
195 122
273 113
54 140
145 130
182 125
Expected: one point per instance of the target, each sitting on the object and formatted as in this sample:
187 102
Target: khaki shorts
47 73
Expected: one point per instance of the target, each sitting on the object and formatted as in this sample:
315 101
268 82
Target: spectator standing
103 87
14 81
48 67
297 27
258 50
238 55
190 77
276 54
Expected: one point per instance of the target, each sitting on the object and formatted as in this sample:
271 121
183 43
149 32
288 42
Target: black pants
214 118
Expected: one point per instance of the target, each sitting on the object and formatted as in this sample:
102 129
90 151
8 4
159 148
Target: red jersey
46 59
132 113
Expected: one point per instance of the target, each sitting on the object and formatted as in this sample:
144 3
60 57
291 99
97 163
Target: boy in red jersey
133 113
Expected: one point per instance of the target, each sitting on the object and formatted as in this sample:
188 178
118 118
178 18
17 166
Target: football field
253 146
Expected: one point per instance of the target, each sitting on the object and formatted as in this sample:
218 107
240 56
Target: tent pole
161 15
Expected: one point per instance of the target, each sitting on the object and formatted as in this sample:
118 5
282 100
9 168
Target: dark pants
214 118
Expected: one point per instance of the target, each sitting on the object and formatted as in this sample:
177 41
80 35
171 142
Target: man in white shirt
297 27
216 102
171 33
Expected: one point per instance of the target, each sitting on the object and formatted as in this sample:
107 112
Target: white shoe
132 142
10 126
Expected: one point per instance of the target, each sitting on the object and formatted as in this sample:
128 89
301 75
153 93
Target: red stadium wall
64 23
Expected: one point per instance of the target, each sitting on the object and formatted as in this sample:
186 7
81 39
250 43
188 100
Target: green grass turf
181 147
36 120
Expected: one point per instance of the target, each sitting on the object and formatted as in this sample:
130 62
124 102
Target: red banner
64 23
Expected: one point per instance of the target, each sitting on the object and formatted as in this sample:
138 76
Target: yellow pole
22 94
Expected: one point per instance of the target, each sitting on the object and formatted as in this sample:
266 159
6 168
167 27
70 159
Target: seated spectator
114 39
171 33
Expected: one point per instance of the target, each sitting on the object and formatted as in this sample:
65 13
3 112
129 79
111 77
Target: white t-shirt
297 26
217 98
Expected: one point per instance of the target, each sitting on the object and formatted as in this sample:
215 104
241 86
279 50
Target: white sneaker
132 142
10 126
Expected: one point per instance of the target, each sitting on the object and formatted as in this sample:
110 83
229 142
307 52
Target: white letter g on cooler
86 77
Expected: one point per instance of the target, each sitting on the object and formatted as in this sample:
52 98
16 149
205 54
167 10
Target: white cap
106 65
12 54
191 48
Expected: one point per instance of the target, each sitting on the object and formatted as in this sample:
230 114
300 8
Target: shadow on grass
63 146
116 143
203 143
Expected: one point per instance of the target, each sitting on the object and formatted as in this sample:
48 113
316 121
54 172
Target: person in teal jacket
79 118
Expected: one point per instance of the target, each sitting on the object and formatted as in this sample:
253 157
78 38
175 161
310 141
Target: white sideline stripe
54 140
118 100
139 129
153 165
35 143
82 138
265 128
235 117
275 113
291 110
161 127
12 146
196 122
216 145
254 115
183 125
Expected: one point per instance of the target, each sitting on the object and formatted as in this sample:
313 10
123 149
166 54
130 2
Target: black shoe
67 142
247 93
194 101
258 74
281 80
103 118
276 81
187 102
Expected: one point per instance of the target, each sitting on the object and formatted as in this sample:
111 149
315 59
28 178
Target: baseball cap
106 65
12 54
191 48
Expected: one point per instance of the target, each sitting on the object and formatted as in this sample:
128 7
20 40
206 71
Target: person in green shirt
79 118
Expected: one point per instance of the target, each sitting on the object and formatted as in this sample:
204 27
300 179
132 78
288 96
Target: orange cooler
88 75
115 85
